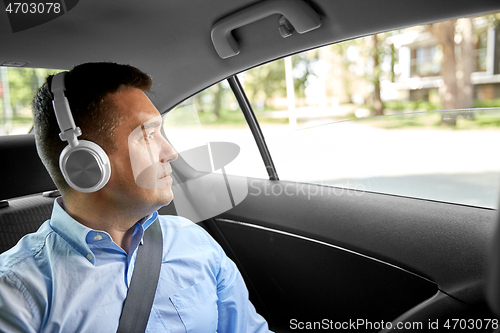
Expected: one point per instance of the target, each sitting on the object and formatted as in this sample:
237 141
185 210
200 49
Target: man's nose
168 153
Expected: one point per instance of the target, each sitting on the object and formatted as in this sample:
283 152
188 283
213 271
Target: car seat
27 192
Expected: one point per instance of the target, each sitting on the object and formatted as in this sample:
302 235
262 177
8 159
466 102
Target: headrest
21 171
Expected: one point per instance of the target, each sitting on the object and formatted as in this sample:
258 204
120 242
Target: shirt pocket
197 307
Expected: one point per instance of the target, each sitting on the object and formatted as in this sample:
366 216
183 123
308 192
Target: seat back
493 283
26 190
22 216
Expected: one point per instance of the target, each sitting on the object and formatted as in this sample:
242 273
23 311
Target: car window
17 88
213 119
412 112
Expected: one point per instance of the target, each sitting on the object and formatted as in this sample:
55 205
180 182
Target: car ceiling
170 40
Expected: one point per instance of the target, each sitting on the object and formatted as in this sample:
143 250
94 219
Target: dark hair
88 87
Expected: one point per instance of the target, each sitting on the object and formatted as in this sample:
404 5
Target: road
461 166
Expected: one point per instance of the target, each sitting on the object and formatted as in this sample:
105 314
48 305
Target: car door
353 259
345 239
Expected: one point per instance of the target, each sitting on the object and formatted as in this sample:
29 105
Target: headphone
84 164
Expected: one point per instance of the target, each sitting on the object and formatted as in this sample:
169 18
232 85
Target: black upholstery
23 178
21 171
493 286
22 216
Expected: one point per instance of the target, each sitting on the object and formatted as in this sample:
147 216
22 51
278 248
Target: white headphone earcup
86 167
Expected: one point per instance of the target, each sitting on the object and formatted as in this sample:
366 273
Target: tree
495 22
198 102
378 106
342 50
465 65
264 82
456 92
445 33
302 64
210 100
217 97
23 82
268 81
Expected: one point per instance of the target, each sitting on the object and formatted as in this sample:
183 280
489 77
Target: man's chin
164 197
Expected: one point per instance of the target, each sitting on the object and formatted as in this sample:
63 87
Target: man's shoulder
174 221
180 228
27 248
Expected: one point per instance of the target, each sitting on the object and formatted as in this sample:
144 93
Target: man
73 274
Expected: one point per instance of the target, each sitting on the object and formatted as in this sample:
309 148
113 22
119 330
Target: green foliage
233 118
265 82
466 120
23 82
226 117
430 119
488 103
268 81
399 105
481 120
212 107
302 71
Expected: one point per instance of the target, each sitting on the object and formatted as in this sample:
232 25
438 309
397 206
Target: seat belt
141 293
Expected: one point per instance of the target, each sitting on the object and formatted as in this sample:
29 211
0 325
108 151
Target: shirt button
89 256
97 237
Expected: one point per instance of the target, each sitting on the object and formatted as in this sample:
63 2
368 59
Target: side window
17 88
413 112
210 133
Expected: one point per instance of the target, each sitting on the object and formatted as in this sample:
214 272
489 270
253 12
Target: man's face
140 166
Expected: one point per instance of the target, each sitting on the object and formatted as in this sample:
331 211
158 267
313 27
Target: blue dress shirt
69 278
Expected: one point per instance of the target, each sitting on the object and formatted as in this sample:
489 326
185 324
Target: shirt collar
148 220
77 235
145 222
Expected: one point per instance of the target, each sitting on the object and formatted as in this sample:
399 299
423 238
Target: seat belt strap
141 293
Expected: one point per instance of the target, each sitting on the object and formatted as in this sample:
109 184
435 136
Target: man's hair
88 89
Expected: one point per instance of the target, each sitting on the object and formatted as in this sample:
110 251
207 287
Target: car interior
367 258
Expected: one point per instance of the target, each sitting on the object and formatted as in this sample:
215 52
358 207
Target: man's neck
98 214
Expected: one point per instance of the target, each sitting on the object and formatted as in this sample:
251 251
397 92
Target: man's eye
150 136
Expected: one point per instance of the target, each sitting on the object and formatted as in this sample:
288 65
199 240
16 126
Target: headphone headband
69 131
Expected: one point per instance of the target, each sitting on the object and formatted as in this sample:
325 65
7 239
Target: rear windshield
17 88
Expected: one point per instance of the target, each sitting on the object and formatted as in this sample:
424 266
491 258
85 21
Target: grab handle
302 17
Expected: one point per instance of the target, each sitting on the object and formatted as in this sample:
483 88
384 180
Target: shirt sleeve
236 312
16 313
